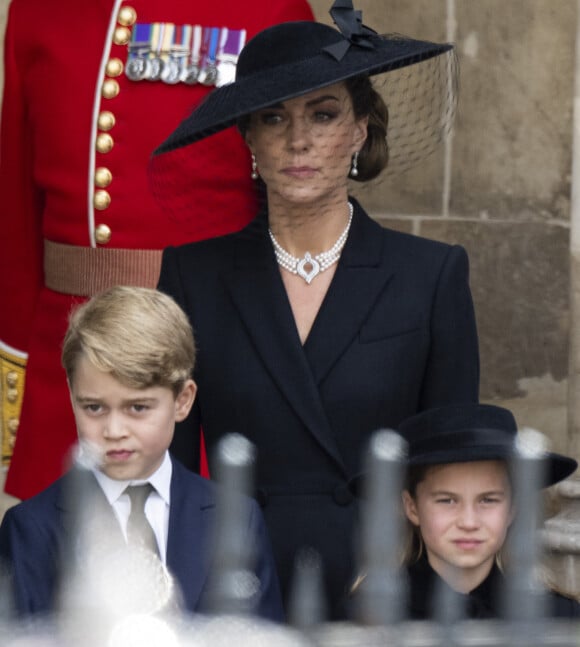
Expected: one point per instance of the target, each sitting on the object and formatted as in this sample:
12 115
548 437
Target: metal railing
380 614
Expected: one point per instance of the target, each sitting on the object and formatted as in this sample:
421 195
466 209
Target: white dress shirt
156 506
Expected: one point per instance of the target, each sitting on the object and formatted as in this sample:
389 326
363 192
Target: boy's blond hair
138 335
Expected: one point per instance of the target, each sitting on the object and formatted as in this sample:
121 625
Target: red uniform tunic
75 141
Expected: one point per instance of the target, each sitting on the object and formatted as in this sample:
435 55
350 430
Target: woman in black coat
315 326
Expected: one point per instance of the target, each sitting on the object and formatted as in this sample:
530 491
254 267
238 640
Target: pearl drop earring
354 166
255 175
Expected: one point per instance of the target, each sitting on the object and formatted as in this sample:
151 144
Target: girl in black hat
459 500
315 325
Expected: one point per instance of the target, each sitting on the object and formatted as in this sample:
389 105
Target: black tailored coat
483 602
38 542
395 334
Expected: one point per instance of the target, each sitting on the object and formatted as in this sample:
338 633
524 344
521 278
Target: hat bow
349 22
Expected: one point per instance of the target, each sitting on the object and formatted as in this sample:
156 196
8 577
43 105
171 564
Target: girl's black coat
485 601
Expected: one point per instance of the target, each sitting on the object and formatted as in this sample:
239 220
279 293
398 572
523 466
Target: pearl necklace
317 263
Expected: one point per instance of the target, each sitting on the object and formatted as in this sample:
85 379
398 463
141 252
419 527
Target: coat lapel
88 521
82 501
362 274
187 537
255 287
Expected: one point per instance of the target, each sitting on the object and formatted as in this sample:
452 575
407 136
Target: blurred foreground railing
379 612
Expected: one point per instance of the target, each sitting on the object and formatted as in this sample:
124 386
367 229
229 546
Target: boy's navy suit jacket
36 541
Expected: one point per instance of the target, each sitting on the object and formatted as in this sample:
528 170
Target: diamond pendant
308 276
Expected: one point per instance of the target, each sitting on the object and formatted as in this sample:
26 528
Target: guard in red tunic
90 90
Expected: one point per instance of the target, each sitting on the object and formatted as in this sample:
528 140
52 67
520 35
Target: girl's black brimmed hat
463 433
471 432
293 58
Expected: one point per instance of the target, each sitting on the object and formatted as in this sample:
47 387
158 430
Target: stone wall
501 187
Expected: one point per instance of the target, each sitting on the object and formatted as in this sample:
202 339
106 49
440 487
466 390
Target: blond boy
128 355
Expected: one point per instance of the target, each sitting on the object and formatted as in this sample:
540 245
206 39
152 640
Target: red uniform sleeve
20 216
290 10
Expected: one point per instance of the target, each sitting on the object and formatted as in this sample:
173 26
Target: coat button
127 16
101 201
122 36
105 143
114 67
110 89
103 177
103 234
12 379
342 495
12 429
106 120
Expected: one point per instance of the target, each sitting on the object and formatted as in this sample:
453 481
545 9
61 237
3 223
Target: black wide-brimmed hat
463 433
294 58
471 432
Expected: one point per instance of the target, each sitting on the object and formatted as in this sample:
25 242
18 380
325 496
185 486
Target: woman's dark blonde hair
367 102
140 336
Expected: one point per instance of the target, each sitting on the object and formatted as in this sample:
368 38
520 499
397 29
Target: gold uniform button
103 234
12 395
12 379
110 89
101 201
103 177
127 16
114 67
122 36
105 143
106 120
13 425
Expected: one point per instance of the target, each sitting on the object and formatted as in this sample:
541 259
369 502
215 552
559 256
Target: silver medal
171 71
136 69
226 73
190 73
155 69
208 76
